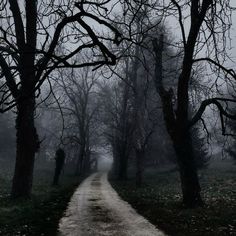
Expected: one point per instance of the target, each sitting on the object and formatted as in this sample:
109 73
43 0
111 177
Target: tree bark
188 170
27 144
182 142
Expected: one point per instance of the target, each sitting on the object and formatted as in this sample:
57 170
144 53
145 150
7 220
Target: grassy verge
41 214
159 201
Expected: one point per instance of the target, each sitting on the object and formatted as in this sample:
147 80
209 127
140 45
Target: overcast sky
173 25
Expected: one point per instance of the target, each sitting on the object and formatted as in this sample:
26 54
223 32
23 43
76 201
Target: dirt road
97 210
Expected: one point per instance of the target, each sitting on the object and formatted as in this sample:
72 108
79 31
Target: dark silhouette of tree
203 17
116 116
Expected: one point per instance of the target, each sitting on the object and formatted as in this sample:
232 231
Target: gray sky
173 25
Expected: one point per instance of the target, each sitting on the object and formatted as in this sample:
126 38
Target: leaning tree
203 26
35 38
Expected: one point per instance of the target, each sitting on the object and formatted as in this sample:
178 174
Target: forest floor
97 210
41 214
159 201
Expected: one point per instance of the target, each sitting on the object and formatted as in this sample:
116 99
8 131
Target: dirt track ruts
96 210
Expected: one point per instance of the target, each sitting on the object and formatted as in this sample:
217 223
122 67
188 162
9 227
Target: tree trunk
188 171
116 156
87 161
27 144
139 167
80 161
177 124
115 164
123 166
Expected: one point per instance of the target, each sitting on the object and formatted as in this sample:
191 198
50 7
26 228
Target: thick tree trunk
188 171
27 144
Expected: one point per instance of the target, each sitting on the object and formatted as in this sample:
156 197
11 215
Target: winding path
96 210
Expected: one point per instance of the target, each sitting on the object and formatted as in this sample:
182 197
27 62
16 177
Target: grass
159 200
41 214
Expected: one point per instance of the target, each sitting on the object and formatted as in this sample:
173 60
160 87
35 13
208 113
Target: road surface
96 210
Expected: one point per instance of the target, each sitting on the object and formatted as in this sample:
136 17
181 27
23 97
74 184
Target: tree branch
10 81
214 101
19 26
231 72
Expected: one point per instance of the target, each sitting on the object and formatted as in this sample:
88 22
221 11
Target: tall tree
203 17
117 117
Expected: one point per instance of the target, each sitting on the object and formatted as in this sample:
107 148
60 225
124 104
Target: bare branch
216 102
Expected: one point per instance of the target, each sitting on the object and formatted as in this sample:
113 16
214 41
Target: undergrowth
159 200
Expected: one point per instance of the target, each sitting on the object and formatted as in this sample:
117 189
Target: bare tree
81 106
117 118
206 18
